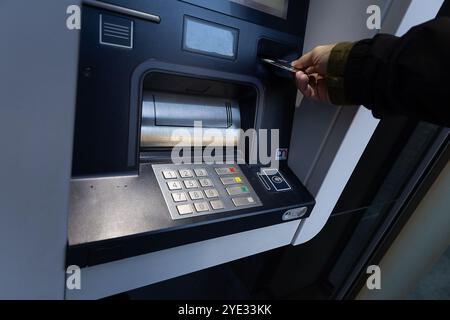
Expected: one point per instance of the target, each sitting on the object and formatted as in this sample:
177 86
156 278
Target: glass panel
388 164
209 38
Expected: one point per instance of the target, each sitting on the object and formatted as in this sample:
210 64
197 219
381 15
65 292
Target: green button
244 189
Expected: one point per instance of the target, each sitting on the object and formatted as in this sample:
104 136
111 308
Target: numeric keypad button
169 174
206 183
201 206
186 173
212 193
185 209
196 195
201 172
190 184
179 196
174 185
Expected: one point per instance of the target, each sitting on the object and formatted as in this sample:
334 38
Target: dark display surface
282 15
277 8
209 38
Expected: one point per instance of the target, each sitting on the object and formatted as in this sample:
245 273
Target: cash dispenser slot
173 104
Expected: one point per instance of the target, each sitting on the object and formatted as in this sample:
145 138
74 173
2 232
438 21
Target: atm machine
148 72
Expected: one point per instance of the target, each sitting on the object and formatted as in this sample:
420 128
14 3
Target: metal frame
118 9
429 169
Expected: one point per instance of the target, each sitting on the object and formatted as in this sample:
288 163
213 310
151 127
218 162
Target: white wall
38 57
328 141
327 156
418 12
315 124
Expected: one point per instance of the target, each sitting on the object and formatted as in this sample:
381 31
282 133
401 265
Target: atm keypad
185 209
174 185
233 191
231 180
195 195
217 204
186 173
243 201
194 190
212 193
179 196
201 206
201 172
169 174
225 170
190 184
206 182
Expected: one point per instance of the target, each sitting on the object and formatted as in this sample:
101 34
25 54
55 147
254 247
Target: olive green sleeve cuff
335 72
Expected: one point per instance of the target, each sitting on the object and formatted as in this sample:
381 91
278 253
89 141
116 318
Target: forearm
390 75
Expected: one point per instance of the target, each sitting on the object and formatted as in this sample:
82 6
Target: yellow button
237 179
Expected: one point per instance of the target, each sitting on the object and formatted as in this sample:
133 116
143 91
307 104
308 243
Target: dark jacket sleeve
407 75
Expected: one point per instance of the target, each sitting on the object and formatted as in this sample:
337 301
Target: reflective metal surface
123 10
168 120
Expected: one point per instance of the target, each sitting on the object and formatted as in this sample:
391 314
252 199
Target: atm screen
277 8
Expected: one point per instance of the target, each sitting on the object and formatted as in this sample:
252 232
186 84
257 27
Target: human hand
311 81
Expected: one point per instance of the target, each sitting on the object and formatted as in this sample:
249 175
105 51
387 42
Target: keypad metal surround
217 184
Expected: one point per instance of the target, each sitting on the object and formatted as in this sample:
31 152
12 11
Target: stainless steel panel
168 120
182 111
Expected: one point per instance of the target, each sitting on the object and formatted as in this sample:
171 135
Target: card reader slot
172 103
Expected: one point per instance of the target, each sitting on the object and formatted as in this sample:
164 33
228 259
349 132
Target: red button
232 170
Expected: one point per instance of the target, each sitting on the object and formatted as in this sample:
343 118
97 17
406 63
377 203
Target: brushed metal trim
175 126
101 33
123 10
153 65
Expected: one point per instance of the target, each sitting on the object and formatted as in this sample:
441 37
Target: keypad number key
185 209
217 204
186 173
201 172
174 185
191 184
206 183
212 193
201 206
196 195
169 174
179 197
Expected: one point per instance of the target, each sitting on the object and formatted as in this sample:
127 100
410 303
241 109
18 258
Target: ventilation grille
115 31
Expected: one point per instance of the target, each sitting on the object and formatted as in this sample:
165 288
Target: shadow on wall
436 284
